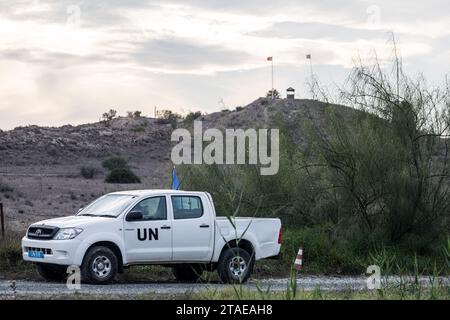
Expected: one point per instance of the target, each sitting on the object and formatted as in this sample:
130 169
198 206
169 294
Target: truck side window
187 207
152 208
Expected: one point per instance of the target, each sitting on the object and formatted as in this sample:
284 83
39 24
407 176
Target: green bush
88 172
168 117
122 175
5 187
138 129
107 117
447 252
324 251
115 162
134 114
362 180
191 116
10 252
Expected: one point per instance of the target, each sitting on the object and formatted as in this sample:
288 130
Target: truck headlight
67 233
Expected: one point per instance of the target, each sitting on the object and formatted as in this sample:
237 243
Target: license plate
36 254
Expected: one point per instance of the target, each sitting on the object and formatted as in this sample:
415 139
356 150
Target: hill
40 166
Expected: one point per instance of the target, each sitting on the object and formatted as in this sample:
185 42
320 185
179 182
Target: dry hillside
40 166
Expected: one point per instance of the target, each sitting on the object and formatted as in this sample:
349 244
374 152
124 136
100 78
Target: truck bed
264 232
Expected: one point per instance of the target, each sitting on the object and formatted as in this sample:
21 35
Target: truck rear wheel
187 272
99 266
51 272
235 265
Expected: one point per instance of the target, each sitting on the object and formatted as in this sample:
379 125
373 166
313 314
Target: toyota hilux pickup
178 229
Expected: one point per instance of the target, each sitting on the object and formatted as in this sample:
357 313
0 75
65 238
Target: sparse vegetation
447 252
276 94
138 129
4 187
410 286
390 293
11 254
134 114
119 171
107 117
377 181
88 172
122 175
168 117
115 162
191 116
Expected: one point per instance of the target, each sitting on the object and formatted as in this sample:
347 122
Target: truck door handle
129 229
165 227
204 226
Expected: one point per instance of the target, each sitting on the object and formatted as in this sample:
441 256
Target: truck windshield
110 205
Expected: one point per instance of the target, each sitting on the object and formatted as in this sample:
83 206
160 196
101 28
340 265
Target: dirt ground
47 192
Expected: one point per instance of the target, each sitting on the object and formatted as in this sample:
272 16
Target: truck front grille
42 232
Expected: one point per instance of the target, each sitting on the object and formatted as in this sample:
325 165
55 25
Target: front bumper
60 252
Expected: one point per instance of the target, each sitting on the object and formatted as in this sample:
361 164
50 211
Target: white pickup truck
165 227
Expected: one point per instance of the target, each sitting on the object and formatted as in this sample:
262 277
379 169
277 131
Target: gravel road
307 283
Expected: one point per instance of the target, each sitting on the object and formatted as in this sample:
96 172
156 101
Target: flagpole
309 57
272 78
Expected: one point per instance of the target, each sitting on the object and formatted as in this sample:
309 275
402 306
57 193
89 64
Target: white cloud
189 54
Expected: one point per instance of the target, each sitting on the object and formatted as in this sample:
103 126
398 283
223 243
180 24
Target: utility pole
271 60
309 57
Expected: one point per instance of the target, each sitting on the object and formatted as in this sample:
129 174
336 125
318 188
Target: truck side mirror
134 216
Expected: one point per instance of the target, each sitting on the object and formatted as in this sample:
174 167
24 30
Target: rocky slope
40 166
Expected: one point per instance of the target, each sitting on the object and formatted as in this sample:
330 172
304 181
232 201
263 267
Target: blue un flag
175 181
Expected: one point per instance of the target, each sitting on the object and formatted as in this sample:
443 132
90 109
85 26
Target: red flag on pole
269 58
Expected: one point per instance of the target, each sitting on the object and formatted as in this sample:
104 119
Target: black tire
237 259
100 266
52 272
187 272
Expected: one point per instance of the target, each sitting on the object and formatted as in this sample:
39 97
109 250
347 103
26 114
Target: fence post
2 220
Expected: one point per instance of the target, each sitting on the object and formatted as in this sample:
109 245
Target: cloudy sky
67 61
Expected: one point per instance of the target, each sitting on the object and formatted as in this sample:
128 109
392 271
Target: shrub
10 252
239 109
138 129
324 251
192 116
134 114
379 177
107 117
168 117
115 162
276 94
5 187
88 172
122 175
447 252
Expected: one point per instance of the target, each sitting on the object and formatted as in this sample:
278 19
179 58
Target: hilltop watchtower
290 93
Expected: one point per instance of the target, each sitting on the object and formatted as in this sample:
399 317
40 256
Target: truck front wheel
99 266
51 272
187 272
235 265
